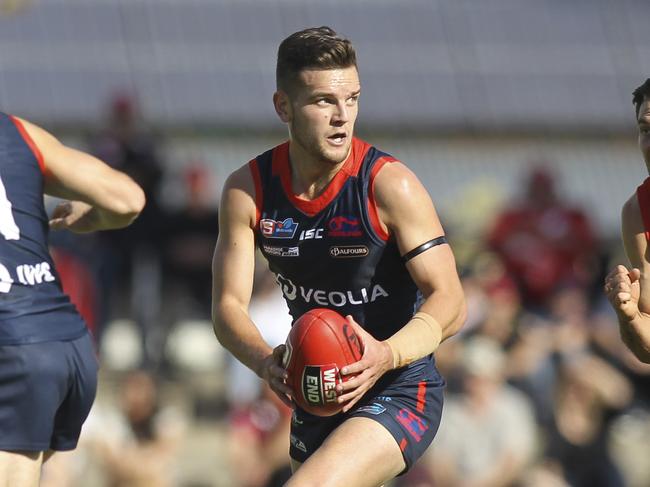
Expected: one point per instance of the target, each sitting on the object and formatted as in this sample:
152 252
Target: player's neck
310 176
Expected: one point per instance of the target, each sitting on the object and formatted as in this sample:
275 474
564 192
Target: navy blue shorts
46 391
407 402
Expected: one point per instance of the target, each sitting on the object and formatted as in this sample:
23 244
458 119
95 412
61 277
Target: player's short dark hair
640 94
314 48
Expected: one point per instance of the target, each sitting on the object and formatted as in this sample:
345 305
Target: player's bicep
407 210
76 175
405 207
234 258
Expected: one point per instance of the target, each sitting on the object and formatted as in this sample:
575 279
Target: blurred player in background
629 290
48 372
350 228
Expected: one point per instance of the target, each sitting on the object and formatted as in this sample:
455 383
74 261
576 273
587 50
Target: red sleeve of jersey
32 146
372 204
255 172
643 195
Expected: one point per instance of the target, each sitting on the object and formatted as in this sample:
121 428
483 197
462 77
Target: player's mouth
337 139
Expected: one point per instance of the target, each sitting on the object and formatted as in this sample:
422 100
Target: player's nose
341 113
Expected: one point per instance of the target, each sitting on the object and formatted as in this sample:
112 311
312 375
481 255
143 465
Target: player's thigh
20 468
46 390
359 453
82 386
47 455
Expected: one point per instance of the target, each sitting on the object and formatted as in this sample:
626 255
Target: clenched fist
623 289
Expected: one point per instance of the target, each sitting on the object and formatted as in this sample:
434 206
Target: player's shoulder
396 181
239 197
240 179
41 137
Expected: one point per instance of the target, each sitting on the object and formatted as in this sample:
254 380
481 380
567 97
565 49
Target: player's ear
282 105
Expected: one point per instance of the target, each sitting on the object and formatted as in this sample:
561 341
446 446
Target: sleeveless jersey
331 252
643 196
33 307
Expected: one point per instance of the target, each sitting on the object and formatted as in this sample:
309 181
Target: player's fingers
634 275
611 274
57 224
62 210
279 354
352 402
349 396
617 284
623 297
279 386
355 368
278 372
622 287
349 384
621 269
358 329
620 277
279 350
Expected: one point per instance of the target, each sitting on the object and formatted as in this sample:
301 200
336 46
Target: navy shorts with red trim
407 402
46 391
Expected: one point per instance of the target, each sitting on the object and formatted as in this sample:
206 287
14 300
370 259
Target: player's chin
336 154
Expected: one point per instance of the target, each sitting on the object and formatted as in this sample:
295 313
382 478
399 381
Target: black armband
423 248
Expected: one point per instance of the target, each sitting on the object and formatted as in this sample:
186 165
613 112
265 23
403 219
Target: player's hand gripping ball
320 343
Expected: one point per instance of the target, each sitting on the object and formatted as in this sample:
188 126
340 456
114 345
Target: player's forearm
423 334
101 219
239 335
636 335
448 308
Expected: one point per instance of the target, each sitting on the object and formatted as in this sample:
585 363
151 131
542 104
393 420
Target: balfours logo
342 251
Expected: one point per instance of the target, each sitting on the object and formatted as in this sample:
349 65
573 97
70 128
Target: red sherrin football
320 343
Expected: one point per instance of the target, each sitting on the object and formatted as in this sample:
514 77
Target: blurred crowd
540 390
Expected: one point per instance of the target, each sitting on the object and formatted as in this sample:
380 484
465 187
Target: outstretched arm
101 198
232 274
629 290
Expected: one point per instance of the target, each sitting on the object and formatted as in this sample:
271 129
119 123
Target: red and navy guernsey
643 196
33 307
331 252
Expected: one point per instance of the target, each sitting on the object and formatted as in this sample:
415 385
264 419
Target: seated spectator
588 395
137 444
488 432
259 442
189 238
543 241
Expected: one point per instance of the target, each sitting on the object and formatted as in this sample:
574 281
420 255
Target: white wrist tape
416 339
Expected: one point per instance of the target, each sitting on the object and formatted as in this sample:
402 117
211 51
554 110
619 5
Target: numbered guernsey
33 307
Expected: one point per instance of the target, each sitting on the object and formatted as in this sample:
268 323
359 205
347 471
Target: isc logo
319 384
312 233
